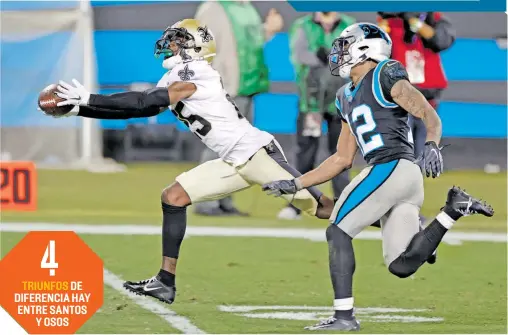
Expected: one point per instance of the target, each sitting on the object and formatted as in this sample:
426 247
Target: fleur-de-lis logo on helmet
186 73
205 34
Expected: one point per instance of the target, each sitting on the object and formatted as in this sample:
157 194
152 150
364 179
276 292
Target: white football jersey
212 115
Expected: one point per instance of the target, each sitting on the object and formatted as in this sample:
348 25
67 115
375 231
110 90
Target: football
48 100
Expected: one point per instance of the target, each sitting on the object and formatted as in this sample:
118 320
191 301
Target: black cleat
333 323
152 287
464 204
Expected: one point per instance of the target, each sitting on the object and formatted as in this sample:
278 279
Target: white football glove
74 95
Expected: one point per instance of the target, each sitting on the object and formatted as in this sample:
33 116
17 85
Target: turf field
222 279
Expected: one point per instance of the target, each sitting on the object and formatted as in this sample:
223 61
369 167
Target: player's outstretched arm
123 105
114 114
152 98
408 97
335 164
332 166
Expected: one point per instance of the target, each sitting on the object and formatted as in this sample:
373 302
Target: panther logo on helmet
372 31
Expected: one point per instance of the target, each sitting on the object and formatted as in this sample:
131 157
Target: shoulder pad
338 98
341 89
185 71
386 74
394 69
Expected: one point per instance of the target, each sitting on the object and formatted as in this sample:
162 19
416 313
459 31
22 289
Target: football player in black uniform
374 109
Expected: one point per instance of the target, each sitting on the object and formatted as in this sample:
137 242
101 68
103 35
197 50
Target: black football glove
280 187
431 160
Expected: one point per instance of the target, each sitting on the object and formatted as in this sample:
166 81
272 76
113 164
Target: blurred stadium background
109 46
120 56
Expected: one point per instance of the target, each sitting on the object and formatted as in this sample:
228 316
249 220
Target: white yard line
9 325
366 314
295 233
364 310
176 321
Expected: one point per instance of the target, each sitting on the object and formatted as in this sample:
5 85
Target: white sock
445 220
343 304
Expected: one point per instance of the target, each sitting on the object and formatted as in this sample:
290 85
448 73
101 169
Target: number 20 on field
18 186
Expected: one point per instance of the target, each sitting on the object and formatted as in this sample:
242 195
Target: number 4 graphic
48 260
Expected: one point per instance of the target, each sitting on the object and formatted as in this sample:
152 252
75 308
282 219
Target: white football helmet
188 39
358 43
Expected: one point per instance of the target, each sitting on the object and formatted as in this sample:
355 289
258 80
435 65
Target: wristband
298 184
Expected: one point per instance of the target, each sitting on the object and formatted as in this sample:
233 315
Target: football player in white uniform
194 92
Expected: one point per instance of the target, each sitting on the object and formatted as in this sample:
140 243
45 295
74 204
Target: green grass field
133 197
465 292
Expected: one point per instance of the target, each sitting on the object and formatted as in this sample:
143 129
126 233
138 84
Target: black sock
348 315
167 278
421 246
342 264
435 232
174 223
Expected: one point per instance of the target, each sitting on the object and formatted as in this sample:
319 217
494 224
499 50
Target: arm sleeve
444 36
390 73
301 50
140 104
113 114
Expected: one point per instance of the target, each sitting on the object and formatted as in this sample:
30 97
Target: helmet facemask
345 55
173 42
340 55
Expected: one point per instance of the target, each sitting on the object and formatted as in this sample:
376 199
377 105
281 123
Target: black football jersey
379 125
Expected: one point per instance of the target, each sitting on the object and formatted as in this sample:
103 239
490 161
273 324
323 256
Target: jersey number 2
375 141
